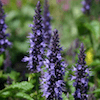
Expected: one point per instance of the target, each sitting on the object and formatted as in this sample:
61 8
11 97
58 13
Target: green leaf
23 95
11 15
31 76
24 86
13 75
27 11
96 62
76 12
5 94
15 24
21 46
96 91
1 73
94 28
14 90
1 59
64 96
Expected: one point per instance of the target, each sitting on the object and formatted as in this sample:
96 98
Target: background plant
74 28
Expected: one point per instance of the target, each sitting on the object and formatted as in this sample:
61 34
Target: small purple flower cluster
86 6
46 24
81 77
52 80
35 59
4 43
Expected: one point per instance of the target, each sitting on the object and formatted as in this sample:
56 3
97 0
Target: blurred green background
74 27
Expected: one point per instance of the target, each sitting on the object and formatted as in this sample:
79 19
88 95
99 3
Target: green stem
37 85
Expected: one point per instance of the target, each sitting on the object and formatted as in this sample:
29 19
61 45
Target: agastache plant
4 43
35 59
81 76
52 80
86 6
46 24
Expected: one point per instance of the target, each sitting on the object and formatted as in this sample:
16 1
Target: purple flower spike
46 24
4 43
81 78
86 6
52 83
36 43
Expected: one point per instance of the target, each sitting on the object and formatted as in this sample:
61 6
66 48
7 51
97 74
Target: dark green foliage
17 90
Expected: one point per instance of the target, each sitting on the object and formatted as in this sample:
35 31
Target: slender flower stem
37 85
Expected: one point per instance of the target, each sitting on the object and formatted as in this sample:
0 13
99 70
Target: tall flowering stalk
52 80
86 6
4 43
81 77
46 24
35 59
